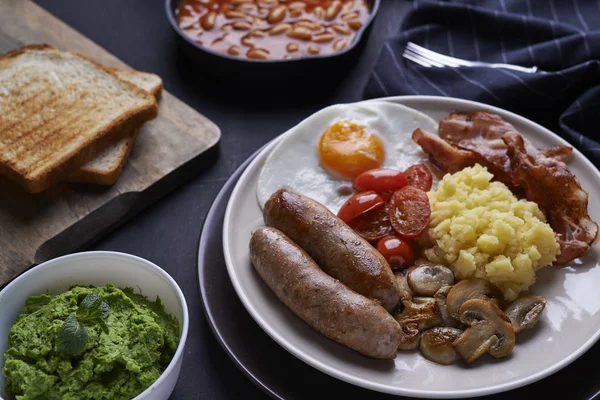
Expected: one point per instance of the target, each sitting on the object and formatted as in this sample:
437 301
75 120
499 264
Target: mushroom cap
490 331
471 289
405 290
436 344
425 279
422 311
440 299
410 336
525 311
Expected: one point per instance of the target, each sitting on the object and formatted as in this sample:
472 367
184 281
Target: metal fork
428 58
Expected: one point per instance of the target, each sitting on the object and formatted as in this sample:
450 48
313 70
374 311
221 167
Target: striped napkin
561 37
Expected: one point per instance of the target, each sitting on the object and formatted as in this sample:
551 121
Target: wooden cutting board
36 228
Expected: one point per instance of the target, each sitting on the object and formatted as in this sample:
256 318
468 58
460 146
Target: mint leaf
92 309
103 325
72 336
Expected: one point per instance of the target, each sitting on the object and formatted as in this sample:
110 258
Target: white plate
569 326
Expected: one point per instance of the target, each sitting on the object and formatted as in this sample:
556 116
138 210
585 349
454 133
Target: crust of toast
117 152
37 180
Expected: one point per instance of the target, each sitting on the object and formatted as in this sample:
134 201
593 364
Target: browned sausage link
334 246
324 303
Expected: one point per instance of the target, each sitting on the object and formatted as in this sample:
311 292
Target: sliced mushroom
405 290
471 289
410 336
425 280
440 299
421 311
490 331
525 311
436 345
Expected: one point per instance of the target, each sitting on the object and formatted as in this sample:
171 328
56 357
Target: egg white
294 163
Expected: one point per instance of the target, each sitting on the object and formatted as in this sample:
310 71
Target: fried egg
320 156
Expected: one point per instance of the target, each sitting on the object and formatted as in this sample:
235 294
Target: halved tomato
397 251
359 204
381 180
372 225
420 176
409 211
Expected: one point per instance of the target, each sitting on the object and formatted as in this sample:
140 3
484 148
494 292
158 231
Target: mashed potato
481 230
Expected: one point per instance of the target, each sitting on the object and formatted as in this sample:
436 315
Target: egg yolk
348 149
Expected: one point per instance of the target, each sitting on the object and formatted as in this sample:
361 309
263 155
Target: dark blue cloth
558 36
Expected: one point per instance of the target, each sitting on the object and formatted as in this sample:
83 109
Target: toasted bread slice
58 110
106 167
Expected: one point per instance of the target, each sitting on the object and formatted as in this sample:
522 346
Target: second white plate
569 327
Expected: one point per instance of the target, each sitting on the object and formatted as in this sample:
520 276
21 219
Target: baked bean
263 11
259 54
348 5
235 14
279 29
247 42
333 10
319 12
340 44
208 21
297 5
267 3
257 33
219 39
277 14
313 26
292 47
296 12
323 38
300 33
349 16
238 2
354 24
234 50
341 29
313 49
227 27
247 7
241 25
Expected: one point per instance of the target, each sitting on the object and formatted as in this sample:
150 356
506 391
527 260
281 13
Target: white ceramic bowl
98 268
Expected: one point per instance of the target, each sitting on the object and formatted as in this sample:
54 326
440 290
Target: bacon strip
550 184
443 155
541 175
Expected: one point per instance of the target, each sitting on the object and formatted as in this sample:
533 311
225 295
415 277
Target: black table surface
167 233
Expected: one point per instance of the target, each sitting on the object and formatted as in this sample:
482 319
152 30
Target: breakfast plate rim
322 366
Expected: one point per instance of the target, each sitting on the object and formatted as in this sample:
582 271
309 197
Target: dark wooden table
167 233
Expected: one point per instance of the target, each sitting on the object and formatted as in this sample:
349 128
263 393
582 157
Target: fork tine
440 58
419 59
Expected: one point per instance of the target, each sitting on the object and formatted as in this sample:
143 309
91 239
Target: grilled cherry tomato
420 176
409 211
397 251
372 225
381 180
359 204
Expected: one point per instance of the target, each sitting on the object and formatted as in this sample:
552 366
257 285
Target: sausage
334 246
324 303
